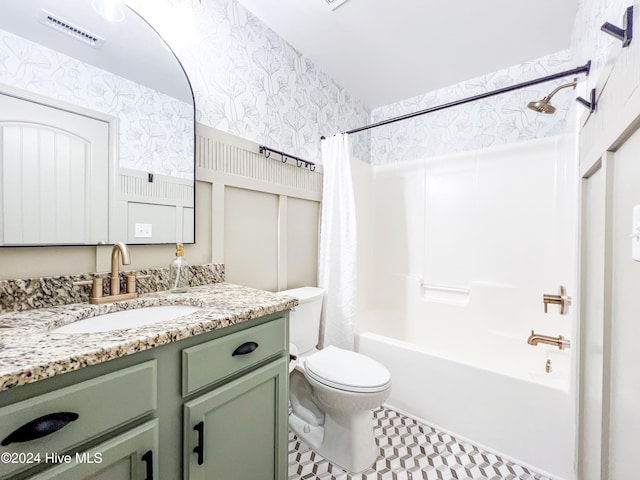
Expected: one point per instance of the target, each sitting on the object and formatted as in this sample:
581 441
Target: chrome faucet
119 249
559 341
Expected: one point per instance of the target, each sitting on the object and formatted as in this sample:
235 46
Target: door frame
601 134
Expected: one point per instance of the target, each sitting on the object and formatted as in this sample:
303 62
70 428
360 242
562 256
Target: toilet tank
304 319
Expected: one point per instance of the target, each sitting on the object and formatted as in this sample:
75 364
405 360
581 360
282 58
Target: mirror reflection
96 127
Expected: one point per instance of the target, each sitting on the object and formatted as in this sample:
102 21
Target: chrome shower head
543 106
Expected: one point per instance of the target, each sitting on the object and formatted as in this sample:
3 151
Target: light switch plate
143 230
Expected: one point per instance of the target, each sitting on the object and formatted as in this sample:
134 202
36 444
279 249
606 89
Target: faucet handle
131 281
96 285
563 300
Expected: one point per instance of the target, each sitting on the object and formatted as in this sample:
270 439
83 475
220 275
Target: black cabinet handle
148 459
40 427
245 348
199 448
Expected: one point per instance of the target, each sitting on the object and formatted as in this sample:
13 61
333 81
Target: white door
610 278
54 175
623 392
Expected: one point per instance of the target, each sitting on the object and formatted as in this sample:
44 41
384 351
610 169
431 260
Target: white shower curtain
337 255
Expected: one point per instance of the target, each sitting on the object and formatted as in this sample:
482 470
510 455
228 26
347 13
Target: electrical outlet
144 230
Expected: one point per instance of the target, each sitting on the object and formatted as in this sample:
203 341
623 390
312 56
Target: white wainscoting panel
265 212
166 204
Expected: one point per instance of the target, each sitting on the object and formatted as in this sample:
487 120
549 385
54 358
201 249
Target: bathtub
490 389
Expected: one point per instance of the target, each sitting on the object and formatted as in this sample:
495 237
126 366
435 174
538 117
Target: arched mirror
97 123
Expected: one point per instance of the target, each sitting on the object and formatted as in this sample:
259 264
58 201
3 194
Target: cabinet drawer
211 362
77 413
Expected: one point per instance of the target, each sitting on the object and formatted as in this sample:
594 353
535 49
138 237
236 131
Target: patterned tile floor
410 450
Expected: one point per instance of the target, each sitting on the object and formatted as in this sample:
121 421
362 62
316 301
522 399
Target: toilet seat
346 370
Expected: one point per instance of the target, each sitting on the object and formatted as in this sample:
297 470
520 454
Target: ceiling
386 51
131 48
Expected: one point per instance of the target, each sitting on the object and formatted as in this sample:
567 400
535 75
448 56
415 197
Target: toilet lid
347 370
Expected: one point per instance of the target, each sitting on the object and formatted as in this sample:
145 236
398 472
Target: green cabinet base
239 431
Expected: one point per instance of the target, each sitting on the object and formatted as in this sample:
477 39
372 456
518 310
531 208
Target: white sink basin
126 319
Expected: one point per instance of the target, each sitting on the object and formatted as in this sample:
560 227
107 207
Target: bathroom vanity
198 397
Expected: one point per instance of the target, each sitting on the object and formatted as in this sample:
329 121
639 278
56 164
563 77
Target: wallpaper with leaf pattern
156 131
502 119
588 42
497 120
248 81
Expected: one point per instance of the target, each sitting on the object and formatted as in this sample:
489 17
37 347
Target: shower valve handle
563 300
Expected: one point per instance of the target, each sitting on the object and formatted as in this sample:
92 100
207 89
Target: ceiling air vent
333 4
70 29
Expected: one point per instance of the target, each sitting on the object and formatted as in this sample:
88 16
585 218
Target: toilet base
345 439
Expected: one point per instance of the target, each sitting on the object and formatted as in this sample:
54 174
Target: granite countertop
30 351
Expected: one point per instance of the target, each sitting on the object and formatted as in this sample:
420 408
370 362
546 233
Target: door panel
244 425
54 183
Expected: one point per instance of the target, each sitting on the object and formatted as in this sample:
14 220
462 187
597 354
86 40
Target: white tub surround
461 250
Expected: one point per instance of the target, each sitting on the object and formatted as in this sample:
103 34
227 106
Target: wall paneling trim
263 206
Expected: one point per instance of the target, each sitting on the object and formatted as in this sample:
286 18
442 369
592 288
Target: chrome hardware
563 300
559 341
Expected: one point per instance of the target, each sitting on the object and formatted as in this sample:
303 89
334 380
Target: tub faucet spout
559 341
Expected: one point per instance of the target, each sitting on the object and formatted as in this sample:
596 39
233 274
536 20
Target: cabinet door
239 431
129 456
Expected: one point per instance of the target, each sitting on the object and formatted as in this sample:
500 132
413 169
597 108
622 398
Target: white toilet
332 391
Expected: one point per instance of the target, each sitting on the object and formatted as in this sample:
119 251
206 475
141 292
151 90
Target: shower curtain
337 254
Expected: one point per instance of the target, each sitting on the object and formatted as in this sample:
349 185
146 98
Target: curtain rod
266 151
583 69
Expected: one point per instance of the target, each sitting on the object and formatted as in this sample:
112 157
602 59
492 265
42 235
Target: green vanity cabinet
133 417
51 429
239 430
129 456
